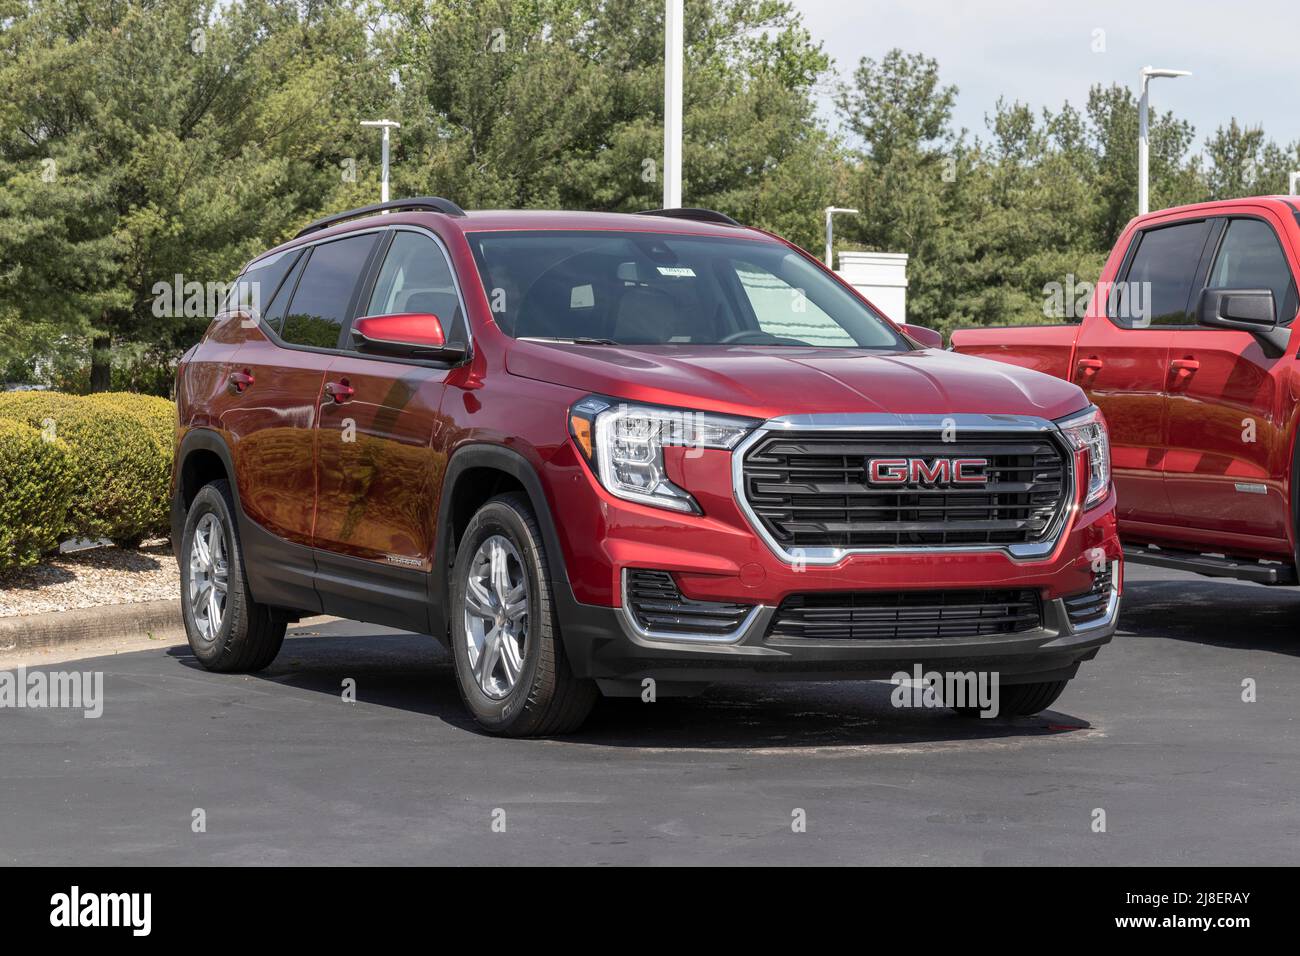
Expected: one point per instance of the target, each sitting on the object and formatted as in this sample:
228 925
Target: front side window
631 288
321 301
416 278
1250 258
1158 287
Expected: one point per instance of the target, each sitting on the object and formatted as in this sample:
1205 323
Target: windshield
641 288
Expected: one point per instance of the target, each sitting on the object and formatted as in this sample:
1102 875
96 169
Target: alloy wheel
209 573
496 616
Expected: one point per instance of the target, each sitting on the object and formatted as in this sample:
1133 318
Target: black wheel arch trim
199 439
512 463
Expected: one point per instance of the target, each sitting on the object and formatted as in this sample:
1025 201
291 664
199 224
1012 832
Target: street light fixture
831 211
1148 73
385 125
673 43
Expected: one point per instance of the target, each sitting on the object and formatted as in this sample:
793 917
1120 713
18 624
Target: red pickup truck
1186 347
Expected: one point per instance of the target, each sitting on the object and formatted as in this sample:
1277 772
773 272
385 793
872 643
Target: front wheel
510 663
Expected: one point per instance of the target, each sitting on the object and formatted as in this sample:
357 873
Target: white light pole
385 125
831 211
1292 182
673 42
1148 72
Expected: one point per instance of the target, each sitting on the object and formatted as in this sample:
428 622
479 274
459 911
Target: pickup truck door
1122 359
1229 453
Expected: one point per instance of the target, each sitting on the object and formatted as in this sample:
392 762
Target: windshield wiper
579 340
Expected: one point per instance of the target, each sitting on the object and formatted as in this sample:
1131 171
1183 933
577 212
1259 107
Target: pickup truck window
1158 287
1250 257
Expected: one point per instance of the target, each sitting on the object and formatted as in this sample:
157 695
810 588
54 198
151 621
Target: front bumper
606 644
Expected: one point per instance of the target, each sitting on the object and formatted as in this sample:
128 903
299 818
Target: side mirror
1245 310
927 337
414 334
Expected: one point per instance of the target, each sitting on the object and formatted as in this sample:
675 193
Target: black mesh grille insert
810 490
912 615
1090 604
657 605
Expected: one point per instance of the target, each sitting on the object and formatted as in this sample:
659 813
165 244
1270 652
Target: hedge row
97 466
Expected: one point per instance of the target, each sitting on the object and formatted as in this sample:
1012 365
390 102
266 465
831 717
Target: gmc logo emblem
927 471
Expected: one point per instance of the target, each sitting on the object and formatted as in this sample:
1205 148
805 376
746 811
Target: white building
881 277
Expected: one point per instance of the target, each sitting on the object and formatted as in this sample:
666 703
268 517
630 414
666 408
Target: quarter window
254 290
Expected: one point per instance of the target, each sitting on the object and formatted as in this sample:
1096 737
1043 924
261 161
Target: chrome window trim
888 422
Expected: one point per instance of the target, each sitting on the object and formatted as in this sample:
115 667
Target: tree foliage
141 140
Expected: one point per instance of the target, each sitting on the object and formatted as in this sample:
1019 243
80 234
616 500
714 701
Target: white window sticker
681 272
582 297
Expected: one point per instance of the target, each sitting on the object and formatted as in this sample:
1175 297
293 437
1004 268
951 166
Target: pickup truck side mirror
1246 310
927 337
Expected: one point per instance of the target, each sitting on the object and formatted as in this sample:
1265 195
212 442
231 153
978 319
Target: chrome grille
809 490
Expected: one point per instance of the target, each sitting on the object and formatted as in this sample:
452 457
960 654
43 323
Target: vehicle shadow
1213 612
411 673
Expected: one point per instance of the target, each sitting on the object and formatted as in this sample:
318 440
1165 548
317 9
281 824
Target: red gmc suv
1186 344
593 451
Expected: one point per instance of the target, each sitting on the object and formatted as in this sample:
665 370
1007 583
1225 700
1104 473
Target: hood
768 382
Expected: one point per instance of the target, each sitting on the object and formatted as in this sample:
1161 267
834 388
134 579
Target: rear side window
324 295
1250 257
1158 289
416 278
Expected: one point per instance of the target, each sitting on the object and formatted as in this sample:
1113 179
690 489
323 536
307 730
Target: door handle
1090 366
340 391
237 382
1183 369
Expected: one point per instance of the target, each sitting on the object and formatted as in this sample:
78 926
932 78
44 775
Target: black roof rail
692 213
425 203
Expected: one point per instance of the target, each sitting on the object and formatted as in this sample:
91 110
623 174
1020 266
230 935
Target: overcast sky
1244 54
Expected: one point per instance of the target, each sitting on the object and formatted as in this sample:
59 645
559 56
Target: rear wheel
227 630
510 663
1022 700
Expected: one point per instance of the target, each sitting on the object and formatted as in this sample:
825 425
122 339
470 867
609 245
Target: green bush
35 489
120 458
157 414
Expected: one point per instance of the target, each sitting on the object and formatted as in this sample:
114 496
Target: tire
246 638
1022 700
528 689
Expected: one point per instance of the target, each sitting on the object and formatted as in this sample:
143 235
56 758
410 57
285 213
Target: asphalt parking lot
1154 733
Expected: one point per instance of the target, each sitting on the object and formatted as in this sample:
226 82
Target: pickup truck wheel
1022 700
228 631
510 663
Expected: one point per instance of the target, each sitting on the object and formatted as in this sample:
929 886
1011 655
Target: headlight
1087 432
625 445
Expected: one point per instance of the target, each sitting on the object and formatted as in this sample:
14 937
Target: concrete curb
91 625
